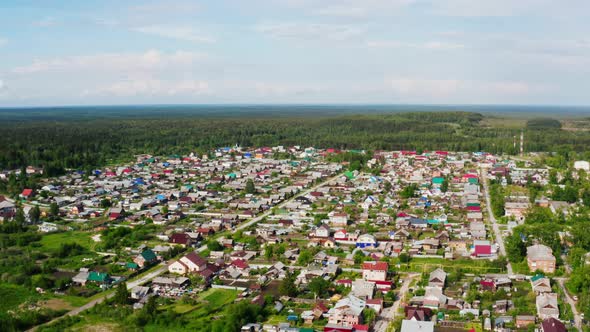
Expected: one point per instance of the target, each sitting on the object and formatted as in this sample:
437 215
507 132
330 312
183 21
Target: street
388 314
495 227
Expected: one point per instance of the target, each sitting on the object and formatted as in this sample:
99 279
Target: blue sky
294 51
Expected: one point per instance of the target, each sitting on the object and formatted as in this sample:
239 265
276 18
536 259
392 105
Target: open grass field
52 242
12 296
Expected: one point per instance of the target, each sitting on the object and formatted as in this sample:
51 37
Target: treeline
60 145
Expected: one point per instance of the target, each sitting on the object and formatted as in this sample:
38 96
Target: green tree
121 294
105 203
444 187
250 188
214 245
287 286
305 257
404 258
319 286
151 306
35 214
515 248
19 217
268 251
369 316
54 210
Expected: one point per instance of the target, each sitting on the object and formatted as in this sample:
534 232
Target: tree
369 316
214 245
319 286
105 203
121 294
35 214
409 191
250 188
19 217
404 257
444 187
268 251
304 258
515 248
54 209
151 306
287 286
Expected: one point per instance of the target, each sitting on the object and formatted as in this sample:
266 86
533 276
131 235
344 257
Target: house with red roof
375 271
482 248
26 194
240 264
181 239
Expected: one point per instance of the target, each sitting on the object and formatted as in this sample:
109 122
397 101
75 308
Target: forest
57 142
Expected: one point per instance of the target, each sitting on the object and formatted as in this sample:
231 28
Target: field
13 296
52 242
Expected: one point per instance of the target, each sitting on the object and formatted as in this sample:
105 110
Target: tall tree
121 294
250 188
35 214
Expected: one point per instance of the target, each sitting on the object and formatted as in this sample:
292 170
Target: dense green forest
81 143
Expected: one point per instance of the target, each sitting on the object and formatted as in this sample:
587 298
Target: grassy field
52 242
14 295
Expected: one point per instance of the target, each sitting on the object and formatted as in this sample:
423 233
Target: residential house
552 325
541 284
540 257
522 321
547 306
347 312
146 257
192 262
437 278
363 289
417 326
373 271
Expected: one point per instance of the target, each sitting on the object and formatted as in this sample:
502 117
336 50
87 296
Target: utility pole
522 142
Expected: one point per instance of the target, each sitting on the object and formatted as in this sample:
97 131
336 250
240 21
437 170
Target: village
407 242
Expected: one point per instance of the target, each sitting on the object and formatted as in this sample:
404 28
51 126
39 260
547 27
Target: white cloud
1 85
184 33
151 87
430 45
310 31
454 89
350 8
124 62
45 22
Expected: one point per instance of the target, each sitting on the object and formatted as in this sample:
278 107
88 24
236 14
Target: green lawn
217 298
14 295
52 242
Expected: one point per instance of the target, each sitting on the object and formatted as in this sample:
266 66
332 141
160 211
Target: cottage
146 257
541 284
437 278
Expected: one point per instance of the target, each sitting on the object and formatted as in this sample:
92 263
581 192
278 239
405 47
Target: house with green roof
145 258
99 277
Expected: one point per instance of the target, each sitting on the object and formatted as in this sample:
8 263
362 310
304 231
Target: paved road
388 314
495 227
571 302
144 279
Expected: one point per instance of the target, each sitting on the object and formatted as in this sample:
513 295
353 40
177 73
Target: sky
111 52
